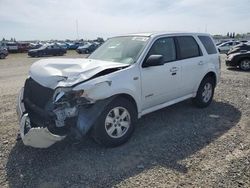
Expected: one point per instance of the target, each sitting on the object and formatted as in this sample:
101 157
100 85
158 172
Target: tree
227 34
238 35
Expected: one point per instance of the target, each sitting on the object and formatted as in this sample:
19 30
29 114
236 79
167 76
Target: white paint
152 88
38 137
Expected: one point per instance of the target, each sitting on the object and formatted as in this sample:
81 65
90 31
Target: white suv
124 79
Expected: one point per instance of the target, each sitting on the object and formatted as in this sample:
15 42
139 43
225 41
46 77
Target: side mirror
153 60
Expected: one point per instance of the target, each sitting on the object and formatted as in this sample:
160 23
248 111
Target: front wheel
245 64
205 93
2 56
116 123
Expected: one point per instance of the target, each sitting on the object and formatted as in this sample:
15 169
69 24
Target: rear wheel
245 64
116 123
205 93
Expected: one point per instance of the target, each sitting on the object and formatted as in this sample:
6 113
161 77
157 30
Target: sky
58 19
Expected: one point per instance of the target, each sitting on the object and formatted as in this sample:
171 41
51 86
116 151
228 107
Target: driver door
160 83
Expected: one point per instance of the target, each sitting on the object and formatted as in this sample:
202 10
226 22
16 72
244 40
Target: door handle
201 63
174 69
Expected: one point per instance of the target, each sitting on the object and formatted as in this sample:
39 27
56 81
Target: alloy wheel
117 122
207 92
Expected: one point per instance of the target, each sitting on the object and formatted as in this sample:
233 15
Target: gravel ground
179 146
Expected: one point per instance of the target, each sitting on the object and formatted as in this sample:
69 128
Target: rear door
192 62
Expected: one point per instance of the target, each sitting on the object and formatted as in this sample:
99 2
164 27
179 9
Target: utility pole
77 34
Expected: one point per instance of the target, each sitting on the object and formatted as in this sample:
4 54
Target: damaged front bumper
39 137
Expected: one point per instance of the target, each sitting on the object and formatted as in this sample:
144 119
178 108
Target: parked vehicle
87 48
243 47
62 45
35 45
23 46
47 50
3 53
218 43
226 46
124 79
240 59
244 41
12 47
75 45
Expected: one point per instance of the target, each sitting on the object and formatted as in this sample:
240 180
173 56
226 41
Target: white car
125 78
226 46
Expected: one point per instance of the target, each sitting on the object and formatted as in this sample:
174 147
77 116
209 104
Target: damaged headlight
60 93
67 94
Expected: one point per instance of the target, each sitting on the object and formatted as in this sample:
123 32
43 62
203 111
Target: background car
74 45
47 50
226 46
62 45
243 47
3 53
23 46
87 48
35 45
12 47
241 60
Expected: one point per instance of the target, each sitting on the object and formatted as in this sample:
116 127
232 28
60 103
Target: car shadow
163 138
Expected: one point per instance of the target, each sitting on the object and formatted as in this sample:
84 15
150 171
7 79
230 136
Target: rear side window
188 47
208 44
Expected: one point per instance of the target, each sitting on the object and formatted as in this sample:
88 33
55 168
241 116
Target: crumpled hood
51 72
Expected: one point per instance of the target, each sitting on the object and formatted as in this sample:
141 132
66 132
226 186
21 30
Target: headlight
59 93
230 57
67 93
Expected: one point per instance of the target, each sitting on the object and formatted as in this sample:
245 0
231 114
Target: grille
36 93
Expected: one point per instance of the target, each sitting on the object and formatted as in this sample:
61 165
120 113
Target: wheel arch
129 98
212 75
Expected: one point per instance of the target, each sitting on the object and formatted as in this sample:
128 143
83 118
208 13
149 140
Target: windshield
42 47
120 49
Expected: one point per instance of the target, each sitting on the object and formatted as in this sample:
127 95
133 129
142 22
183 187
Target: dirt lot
179 146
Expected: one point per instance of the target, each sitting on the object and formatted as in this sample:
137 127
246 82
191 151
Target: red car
23 47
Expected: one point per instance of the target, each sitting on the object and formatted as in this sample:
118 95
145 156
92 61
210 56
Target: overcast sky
56 19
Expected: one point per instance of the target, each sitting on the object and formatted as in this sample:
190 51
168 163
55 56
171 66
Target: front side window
188 47
208 44
164 47
120 49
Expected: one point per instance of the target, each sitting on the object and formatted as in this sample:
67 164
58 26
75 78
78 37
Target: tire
86 51
245 64
2 56
109 130
205 93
